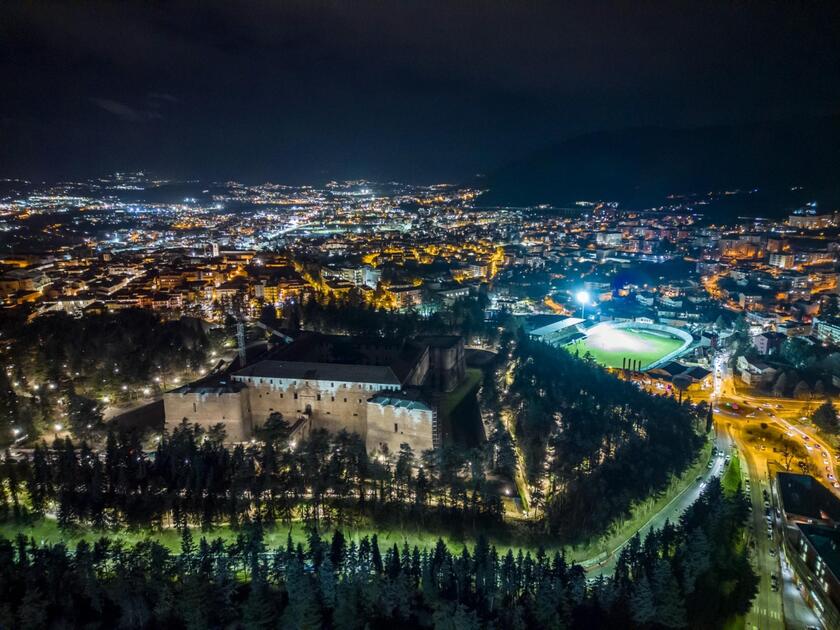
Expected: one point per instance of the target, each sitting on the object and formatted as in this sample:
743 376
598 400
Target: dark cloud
124 112
305 90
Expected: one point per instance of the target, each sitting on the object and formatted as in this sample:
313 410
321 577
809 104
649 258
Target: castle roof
307 370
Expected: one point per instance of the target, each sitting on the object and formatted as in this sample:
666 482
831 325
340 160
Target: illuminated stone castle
379 389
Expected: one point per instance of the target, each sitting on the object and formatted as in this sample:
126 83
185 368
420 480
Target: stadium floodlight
582 298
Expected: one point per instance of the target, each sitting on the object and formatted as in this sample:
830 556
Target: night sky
303 92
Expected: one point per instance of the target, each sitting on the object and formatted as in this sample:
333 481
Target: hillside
640 166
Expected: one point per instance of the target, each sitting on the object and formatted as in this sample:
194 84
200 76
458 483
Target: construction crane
240 335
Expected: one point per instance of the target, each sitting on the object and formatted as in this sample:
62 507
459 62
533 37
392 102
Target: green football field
610 346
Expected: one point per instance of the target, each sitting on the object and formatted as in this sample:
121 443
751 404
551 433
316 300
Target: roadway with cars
672 511
778 604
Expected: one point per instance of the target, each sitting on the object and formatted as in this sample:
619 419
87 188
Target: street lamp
57 426
582 298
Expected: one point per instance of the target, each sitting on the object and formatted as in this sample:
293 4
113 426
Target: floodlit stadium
616 345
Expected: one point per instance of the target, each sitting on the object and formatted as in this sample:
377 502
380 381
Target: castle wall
207 409
340 407
418 373
390 426
447 366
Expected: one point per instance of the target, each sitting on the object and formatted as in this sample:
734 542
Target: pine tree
695 561
347 614
670 607
327 582
32 614
456 617
316 547
825 417
337 549
547 604
375 555
303 611
642 607
258 612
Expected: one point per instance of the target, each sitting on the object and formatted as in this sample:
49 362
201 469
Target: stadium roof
556 327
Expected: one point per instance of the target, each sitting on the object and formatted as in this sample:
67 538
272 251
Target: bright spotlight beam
582 298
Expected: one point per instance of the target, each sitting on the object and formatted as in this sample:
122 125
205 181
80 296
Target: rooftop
210 386
556 326
804 496
307 370
826 542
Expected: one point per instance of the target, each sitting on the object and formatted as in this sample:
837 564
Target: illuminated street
772 608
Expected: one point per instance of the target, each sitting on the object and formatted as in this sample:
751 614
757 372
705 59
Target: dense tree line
132 343
343 315
593 443
691 575
57 360
191 478
825 417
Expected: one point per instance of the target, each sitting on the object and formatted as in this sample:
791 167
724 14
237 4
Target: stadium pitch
610 346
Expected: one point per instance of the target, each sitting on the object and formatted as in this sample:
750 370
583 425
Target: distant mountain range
639 167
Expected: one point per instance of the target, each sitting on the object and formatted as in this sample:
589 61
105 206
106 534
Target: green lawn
47 531
739 622
610 346
732 477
